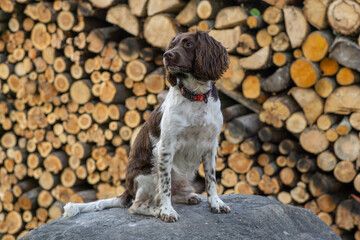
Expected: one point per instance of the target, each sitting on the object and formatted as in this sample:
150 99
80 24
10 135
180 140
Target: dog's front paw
218 206
168 214
194 200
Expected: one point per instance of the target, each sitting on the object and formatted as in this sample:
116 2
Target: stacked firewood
79 78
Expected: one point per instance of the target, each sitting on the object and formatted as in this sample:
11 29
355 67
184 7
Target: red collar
193 96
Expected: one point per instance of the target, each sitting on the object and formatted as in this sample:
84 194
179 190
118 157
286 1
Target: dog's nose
169 55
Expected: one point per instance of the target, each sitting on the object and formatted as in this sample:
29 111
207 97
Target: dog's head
195 53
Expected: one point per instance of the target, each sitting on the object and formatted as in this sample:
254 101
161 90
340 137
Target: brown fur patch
140 158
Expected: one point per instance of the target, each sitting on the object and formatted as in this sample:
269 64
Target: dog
179 133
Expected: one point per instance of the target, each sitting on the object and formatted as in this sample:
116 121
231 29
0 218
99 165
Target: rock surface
251 217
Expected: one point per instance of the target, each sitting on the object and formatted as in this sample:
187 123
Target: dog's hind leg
144 200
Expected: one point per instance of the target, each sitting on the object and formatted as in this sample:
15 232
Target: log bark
344 51
278 81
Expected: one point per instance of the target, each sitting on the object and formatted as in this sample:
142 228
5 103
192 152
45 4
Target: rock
251 217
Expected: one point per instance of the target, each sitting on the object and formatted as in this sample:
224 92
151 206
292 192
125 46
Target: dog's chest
192 126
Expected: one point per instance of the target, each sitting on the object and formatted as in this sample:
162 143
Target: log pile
79 78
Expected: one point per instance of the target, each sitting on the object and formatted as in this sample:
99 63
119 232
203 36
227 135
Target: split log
339 14
310 103
346 76
275 29
329 66
240 162
230 17
263 38
250 146
325 121
347 147
80 91
254 175
228 178
242 127
138 7
269 185
229 38
188 15
154 7
344 171
325 86
14 222
326 161
277 109
40 37
299 193
345 52
355 120
247 44
121 16
208 9
278 81
234 75
343 100
316 45
296 123
259 60
344 127
251 87
272 15
313 140
347 214
280 42
315 12
160 23
304 73
296 25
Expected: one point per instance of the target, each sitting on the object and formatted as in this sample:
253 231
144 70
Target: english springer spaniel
178 134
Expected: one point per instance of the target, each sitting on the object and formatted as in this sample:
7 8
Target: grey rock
251 217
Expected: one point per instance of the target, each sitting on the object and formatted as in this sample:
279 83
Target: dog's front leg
165 158
215 203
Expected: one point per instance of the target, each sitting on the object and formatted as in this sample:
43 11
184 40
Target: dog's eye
188 44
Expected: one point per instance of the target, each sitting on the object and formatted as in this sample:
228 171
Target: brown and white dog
178 134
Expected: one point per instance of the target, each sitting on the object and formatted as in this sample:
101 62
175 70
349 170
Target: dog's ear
211 59
171 78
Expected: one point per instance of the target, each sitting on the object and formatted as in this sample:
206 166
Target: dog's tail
72 209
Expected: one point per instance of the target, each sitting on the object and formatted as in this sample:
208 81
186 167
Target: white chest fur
190 128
